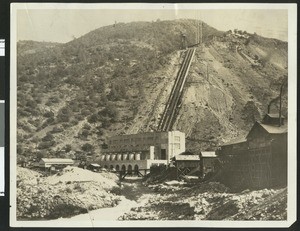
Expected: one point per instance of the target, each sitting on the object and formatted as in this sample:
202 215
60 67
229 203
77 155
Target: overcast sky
62 25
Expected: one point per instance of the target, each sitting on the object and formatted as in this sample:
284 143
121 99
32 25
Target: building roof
235 141
57 160
186 153
271 129
95 165
208 154
187 157
274 129
274 115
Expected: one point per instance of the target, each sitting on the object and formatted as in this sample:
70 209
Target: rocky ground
71 192
210 201
77 191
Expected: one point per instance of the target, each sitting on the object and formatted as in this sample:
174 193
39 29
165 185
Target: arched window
129 169
123 169
136 169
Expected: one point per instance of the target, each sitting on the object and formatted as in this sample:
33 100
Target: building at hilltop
133 152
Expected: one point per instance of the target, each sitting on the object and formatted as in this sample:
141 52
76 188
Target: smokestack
280 104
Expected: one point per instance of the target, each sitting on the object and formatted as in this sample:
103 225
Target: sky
63 25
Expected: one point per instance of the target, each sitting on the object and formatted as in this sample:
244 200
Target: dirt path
104 214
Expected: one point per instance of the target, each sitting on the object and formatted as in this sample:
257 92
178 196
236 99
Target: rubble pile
74 174
211 201
274 207
64 194
229 206
27 176
167 174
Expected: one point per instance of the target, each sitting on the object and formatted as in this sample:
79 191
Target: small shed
208 161
55 162
190 161
187 164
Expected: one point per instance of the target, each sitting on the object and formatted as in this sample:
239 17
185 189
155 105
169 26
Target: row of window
133 139
123 157
117 167
139 139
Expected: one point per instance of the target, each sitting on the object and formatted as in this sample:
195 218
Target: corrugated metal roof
273 129
208 154
187 157
57 160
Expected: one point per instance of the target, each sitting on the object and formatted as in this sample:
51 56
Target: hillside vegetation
117 79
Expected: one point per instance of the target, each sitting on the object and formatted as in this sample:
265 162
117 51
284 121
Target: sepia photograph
146 115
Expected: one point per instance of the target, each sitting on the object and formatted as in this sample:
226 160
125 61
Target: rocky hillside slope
116 80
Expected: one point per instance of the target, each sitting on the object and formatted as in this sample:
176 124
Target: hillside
116 80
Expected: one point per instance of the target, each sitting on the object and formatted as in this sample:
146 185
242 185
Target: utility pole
207 71
197 35
201 33
280 102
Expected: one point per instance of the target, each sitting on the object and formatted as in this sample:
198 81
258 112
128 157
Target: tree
68 148
40 155
48 137
110 111
64 115
117 92
87 147
93 118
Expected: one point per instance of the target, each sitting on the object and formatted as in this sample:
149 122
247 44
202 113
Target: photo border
292 116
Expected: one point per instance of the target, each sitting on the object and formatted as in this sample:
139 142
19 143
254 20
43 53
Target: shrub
110 111
93 118
87 147
48 137
46 144
68 148
57 129
48 114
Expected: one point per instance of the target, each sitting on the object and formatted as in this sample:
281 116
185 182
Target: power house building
140 151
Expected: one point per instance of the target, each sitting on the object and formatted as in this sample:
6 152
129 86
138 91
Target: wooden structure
261 160
187 164
207 162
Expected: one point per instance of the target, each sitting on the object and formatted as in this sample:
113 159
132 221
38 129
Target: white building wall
176 143
151 143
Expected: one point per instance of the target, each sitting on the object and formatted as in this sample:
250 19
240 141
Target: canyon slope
117 80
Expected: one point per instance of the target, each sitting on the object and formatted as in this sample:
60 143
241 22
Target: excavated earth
71 192
210 201
78 194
